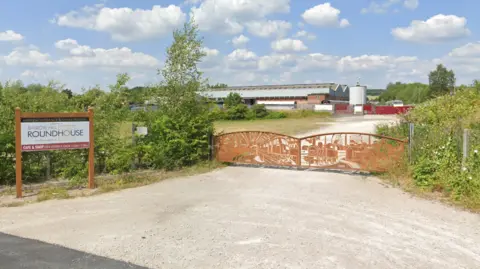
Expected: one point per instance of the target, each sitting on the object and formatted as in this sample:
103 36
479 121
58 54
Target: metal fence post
466 145
411 132
211 142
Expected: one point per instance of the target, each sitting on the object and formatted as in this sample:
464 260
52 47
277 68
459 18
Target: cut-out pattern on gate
346 151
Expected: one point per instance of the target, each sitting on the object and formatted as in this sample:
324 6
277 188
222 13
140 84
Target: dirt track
258 218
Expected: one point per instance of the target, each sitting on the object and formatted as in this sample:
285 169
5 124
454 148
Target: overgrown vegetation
441 81
178 132
437 163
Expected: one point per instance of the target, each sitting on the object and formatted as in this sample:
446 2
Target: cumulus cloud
27 56
324 15
411 4
125 24
381 7
288 45
10 35
438 28
241 59
230 17
268 28
305 34
81 55
240 41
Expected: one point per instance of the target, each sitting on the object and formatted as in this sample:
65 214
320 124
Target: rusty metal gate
344 151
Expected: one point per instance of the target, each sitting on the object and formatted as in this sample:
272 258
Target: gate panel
345 151
351 151
262 148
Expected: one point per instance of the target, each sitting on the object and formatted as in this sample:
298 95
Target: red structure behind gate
345 151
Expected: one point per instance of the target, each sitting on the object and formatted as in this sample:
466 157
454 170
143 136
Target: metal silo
358 95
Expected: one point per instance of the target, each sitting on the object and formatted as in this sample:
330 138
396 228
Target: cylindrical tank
358 95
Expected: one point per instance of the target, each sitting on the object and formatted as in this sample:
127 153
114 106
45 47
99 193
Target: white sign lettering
37 136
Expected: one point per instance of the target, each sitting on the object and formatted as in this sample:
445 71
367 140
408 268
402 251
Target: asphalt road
22 253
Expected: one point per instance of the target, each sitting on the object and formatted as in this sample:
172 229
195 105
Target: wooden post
91 152
18 151
411 133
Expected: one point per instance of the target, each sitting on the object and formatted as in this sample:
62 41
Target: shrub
176 142
233 99
276 115
259 111
238 112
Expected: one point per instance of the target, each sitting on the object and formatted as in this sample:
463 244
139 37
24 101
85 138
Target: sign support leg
18 152
91 152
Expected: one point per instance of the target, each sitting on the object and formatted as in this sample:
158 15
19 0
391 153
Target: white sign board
142 131
324 107
358 109
54 134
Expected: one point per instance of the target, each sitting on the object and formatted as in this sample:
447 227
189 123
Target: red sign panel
60 146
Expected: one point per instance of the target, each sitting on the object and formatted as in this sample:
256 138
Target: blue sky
248 42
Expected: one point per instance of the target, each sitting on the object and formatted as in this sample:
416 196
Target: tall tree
182 79
441 80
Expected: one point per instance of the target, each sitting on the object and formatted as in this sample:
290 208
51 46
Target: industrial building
284 96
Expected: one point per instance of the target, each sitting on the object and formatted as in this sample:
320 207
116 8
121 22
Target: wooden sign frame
19 115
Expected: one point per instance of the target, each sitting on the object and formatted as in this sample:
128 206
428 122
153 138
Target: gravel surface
241 217
360 124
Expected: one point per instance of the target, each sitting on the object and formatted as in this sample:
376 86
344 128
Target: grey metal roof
278 87
267 93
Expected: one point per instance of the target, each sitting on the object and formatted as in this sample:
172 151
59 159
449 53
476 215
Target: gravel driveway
241 217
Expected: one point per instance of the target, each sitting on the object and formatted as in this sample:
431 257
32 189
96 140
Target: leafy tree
180 130
233 99
217 86
68 92
441 80
182 79
409 93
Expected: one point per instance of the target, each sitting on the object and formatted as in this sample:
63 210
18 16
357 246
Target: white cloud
288 45
379 8
386 5
74 48
468 50
274 61
10 35
125 24
27 56
436 29
324 15
81 56
305 35
241 59
411 4
268 28
229 17
240 41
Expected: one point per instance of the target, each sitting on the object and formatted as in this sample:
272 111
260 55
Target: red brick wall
316 98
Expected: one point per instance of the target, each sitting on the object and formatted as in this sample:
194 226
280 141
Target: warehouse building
284 96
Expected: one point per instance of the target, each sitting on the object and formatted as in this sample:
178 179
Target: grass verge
292 125
105 184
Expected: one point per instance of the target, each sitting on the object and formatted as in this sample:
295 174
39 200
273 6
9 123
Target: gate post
466 146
